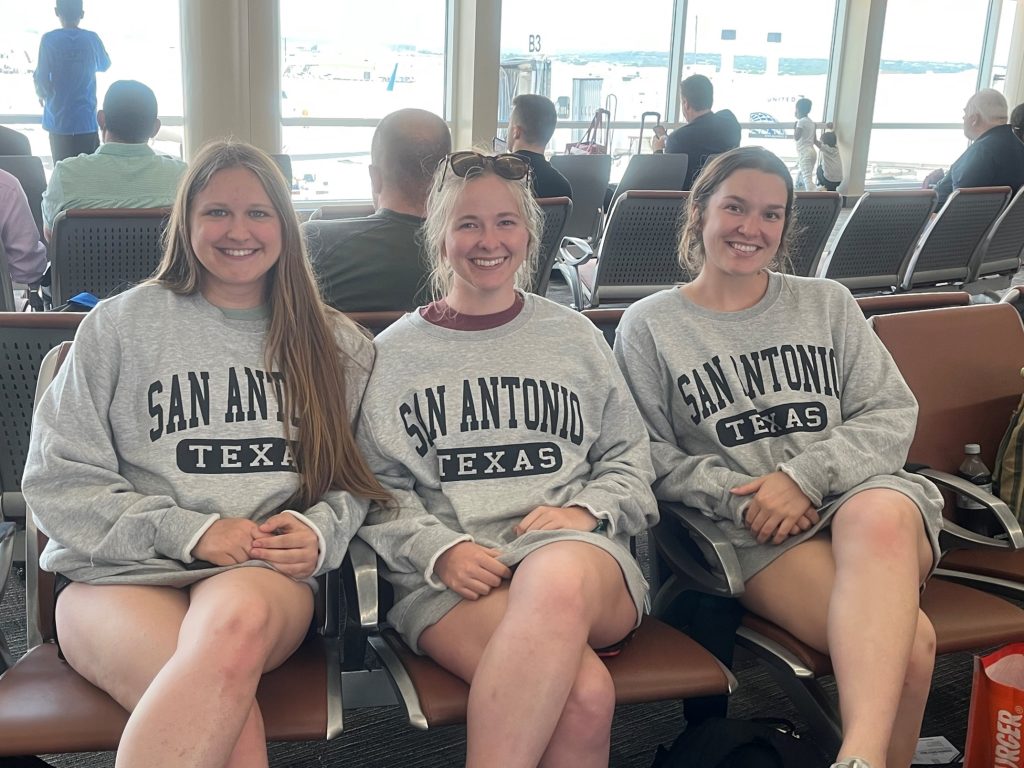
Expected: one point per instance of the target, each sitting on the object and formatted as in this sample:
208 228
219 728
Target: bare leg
859 602
526 649
239 624
186 664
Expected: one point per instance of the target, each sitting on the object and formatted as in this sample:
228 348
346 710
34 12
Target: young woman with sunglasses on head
194 466
775 410
520 468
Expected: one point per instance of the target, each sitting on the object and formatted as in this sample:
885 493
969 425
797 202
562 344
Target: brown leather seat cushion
997 563
965 619
903 302
658 663
46 707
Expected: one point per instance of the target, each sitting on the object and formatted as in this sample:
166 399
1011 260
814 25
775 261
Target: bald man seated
376 262
996 157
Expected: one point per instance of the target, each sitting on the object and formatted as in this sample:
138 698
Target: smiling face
743 224
236 235
485 244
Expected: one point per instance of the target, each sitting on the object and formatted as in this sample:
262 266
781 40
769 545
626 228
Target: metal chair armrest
726 580
964 538
575 251
328 601
365 581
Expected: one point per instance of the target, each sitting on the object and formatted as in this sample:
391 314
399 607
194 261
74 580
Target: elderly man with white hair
996 156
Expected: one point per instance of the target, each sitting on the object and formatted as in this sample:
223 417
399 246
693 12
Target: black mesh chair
588 175
652 172
876 240
29 171
998 253
815 215
557 211
104 251
284 162
943 255
25 338
638 254
14 142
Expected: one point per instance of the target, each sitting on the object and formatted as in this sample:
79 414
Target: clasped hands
472 571
777 508
283 542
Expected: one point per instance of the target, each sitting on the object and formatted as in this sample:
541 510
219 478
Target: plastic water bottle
970 513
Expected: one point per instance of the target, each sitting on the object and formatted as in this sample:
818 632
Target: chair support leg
813 703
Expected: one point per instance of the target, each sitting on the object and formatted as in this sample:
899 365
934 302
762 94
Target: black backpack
722 743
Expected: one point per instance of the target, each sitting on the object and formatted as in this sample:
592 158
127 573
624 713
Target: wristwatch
601 527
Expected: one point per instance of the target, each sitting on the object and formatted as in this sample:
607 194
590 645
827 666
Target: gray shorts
426 606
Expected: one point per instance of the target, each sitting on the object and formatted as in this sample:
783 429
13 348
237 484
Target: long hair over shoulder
300 341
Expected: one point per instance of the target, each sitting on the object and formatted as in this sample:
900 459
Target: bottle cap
972 448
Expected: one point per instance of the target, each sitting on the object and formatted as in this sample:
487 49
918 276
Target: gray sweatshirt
472 430
162 420
797 383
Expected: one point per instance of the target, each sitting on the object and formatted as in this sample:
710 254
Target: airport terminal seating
997 256
557 212
965 619
46 707
284 162
876 239
104 250
971 402
815 215
889 303
943 255
660 663
588 176
25 338
28 169
637 256
661 171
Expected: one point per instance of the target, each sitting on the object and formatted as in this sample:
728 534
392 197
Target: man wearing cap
124 172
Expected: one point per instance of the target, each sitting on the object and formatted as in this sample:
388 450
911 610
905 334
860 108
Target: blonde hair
440 211
300 339
691 246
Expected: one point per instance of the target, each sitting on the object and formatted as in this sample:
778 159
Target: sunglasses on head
468 164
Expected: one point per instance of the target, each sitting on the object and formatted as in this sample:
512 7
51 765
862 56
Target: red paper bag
997 710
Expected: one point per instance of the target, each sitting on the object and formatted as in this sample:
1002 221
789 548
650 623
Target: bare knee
553 587
587 715
885 520
238 635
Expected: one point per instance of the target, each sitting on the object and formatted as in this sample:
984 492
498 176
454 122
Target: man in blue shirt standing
65 80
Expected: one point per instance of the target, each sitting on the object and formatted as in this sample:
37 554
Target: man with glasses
375 262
